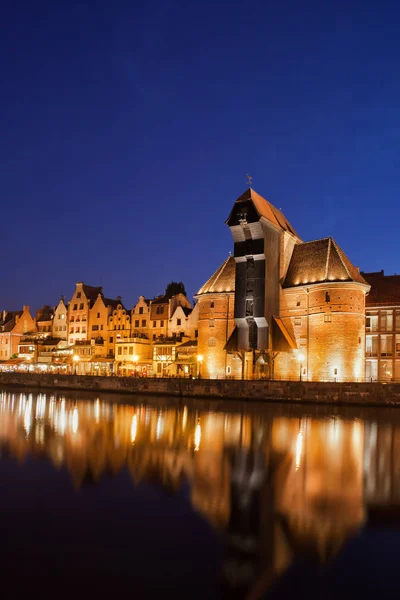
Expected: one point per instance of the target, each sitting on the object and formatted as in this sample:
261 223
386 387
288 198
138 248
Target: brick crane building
290 308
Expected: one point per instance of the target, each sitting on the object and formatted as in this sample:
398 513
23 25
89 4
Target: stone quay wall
367 394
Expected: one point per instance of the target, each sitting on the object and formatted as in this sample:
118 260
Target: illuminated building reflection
274 485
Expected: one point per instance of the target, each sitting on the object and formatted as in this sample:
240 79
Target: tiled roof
113 302
385 289
188 344
8 323
223 279
267 210
91 292
45 317
160 300
320 261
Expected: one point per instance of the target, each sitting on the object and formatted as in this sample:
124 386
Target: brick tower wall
216 324
332 338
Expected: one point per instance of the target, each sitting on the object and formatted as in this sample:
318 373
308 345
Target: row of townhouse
93 334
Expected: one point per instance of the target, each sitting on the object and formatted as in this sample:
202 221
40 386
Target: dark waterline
186 500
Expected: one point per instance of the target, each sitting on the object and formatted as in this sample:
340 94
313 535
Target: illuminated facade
14 325
118 326
78 311
60 320
216 299
382 327
297 308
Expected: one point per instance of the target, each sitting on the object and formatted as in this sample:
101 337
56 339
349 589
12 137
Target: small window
98 315
161 323
154 336
211 323
119 350
71 330
154 323
143 322
140 310
327 318
78 295
297 321
298 301
75 307
178 322
95 327
212 342
327 297
81 306
211 304
111 339
196 333
249 307
101 327
137 322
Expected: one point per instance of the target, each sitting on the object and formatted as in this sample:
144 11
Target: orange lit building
78 311
382 327
14 325
281 307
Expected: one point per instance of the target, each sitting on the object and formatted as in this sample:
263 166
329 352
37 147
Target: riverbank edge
301 392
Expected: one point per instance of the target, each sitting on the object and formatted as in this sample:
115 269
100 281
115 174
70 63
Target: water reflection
275 486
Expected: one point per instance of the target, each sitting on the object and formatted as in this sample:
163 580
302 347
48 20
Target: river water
152 498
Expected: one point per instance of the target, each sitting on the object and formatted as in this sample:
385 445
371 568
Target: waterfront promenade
368 394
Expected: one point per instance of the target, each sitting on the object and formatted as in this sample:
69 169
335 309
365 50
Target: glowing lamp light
135 358
76 358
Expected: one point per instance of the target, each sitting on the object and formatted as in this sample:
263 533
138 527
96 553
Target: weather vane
249 180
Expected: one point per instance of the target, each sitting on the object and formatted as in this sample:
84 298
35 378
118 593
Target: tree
174 288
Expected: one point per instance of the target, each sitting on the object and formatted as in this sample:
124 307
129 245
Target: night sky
127 130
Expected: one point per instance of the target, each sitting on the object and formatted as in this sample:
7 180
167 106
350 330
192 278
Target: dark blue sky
127 130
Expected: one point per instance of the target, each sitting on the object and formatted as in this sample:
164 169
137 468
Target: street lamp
76 359
199 361
135 362
300 358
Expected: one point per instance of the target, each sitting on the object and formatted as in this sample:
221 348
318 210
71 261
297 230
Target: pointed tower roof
222 281
264 209
320 261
